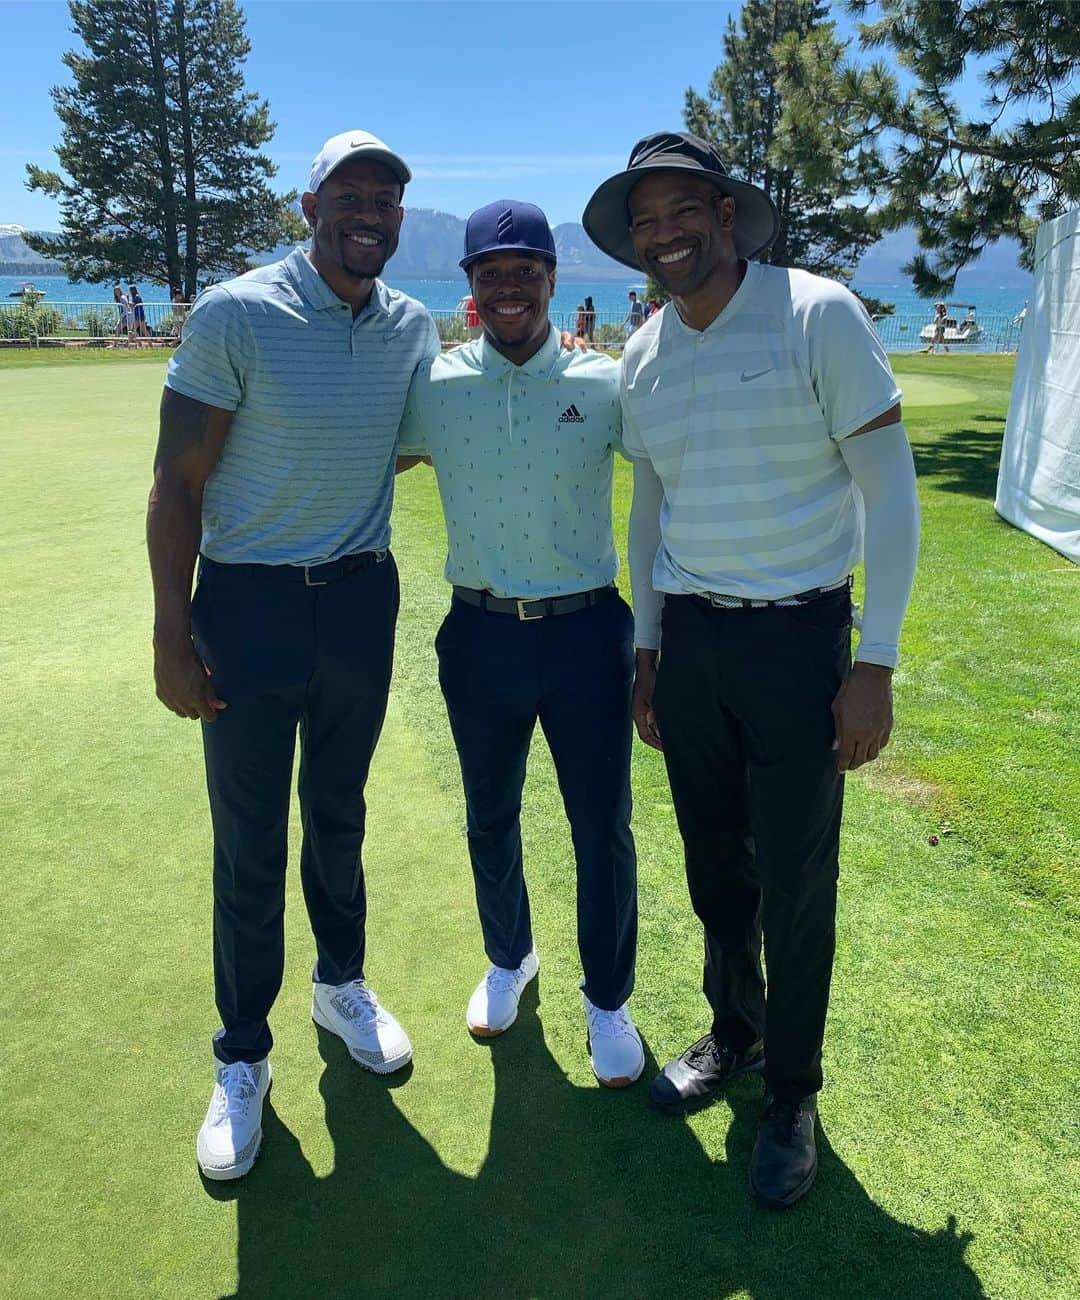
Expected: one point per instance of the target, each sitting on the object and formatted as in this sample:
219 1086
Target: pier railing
100 324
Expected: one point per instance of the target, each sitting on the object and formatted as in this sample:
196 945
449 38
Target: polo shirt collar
738 300
318 294
494 365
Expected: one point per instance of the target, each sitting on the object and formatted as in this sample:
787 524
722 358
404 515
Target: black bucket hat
607 221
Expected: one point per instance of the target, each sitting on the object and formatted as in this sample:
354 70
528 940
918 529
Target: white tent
1039 480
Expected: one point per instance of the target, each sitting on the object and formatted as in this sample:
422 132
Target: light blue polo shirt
523 457
307 471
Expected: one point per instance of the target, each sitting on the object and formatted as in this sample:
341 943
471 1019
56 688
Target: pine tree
825 222
162 175
963 182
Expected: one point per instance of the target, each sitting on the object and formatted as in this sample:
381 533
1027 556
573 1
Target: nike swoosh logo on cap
747 375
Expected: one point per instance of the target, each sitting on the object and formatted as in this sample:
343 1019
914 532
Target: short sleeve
215 354
849 368
632 445
433 344
412 432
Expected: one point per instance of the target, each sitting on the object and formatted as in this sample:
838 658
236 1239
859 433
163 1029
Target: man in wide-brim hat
764 421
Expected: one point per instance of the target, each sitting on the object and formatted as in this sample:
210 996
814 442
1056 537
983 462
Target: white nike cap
355 144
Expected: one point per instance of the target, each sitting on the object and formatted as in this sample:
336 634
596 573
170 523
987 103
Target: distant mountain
997 268
18 258
431 243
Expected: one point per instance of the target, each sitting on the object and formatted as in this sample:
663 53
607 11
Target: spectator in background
124 319
180 311
138 312
635 317
579 321
653 307
940 313
589 320
472 319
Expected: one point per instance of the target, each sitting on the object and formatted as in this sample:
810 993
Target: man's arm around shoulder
190 441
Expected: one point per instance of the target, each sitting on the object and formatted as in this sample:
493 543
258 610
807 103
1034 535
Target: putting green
934 390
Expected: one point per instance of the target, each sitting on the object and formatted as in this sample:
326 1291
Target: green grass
503 1170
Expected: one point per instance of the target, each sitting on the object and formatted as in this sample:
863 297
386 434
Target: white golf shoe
352 1011
493 1006
615 1049
231 1133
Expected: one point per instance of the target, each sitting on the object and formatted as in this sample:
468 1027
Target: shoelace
501 980
357 1002
783 1118
236 1086
608 1024
711 1049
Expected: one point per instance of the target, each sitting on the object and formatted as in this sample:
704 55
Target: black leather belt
529 610
311 575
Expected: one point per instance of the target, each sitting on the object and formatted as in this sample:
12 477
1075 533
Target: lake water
609 296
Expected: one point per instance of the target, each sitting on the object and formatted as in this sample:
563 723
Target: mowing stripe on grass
503 1168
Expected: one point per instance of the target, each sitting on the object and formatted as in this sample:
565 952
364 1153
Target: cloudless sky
537 100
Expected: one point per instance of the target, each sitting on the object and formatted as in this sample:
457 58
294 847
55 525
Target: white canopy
1039 479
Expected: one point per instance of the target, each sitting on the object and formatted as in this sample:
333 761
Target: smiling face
355 219
682 228
512 291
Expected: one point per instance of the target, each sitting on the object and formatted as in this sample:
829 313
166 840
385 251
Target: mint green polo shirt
524 458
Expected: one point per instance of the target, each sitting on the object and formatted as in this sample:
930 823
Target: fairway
948 1146
933 390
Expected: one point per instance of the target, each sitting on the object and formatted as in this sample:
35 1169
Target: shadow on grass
584 1193
965 460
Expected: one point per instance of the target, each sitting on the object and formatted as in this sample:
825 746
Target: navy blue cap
507 225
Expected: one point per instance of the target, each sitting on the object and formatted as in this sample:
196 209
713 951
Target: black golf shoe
700 1074
784 1163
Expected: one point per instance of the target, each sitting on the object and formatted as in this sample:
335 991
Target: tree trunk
168 172
191 197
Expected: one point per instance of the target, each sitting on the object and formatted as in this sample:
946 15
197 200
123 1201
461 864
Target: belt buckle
307 578
523 617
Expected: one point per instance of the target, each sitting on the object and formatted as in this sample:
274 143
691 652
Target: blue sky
537 101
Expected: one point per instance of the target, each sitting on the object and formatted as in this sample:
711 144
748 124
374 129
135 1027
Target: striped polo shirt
307 471
524 459
741 421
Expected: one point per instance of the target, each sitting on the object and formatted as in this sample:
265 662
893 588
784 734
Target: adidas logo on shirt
571 416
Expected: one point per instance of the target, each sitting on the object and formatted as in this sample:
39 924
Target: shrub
98 322
27 321
452 328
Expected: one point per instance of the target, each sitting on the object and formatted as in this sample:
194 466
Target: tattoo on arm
190 437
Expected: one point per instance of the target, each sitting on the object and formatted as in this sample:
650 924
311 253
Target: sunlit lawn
949 1144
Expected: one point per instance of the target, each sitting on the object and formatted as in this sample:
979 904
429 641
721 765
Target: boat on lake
27 290
965 329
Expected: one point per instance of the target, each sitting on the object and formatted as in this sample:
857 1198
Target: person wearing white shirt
769 459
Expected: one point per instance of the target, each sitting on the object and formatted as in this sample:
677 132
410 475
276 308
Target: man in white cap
769 459
274 470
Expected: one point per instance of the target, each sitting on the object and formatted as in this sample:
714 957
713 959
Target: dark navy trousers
744 706
289 658
573 672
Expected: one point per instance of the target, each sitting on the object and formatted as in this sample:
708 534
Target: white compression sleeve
642 544
881 465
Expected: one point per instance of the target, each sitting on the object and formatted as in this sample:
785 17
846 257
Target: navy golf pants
289 658
743 704
573 672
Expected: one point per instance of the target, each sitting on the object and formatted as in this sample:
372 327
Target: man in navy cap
764 422
274 471
522 435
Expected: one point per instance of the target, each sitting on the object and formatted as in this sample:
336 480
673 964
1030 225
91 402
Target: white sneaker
493 1006
352 1011
231 1133
615 1049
